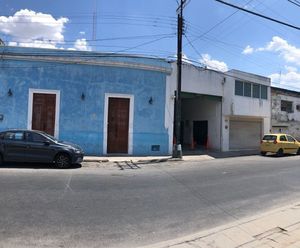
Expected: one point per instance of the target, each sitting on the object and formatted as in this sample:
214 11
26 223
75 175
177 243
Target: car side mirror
47 143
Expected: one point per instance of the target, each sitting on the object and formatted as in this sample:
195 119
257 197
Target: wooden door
43 112
118 125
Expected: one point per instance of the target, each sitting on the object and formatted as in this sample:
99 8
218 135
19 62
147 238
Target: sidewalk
195 156
277 228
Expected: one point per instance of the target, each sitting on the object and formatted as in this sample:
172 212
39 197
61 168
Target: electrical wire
112 54
295 2
217 24
102 39
259 15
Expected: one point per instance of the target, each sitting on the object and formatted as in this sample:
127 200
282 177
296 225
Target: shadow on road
21 165
273 155
219 154
127 165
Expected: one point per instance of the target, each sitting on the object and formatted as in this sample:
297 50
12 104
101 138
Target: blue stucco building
106 103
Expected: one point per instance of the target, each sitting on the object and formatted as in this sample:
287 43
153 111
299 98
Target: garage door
244 134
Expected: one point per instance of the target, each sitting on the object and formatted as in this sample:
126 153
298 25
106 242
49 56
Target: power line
216 25
112 54
232 53
295 2
145 43
102 39
191 44
259 15
107 17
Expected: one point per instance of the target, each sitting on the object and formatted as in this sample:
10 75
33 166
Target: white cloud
290 53
291 78
35 43
185 58
248 50
81 44
213 64
30 28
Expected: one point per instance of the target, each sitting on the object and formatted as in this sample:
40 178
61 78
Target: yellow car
279 143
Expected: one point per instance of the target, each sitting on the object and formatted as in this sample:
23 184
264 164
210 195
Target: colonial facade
106 103
124 104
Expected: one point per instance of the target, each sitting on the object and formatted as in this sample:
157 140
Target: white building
221 111
286 111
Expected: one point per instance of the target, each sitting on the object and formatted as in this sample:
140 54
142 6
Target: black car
37 146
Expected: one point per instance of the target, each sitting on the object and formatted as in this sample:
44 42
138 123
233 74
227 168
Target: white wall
201 109
198 80
208 82
169 108
244 107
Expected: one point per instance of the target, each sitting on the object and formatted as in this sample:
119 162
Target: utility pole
177 149
95 19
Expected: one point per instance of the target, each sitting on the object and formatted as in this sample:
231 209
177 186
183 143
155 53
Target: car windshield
269 137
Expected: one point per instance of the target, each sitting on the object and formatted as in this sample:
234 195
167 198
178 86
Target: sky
215 35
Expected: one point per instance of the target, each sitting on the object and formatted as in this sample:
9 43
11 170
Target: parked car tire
279 153
62 161
263 153
1 159
298 151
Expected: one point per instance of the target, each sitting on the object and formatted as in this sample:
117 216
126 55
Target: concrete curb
132 160
140 161
160 159
274 217
96 160
145 160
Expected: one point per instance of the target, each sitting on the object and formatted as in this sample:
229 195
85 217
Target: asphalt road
110 207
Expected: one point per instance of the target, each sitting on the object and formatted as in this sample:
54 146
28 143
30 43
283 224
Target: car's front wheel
298 151
62 161
263 153
1 159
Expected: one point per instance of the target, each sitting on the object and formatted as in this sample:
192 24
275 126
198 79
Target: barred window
287 106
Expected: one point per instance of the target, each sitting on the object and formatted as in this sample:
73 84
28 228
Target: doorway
118 125
43 111
200 132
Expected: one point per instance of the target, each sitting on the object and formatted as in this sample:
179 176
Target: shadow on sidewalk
219 154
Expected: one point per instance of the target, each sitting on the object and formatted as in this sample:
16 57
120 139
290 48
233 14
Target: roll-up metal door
244 134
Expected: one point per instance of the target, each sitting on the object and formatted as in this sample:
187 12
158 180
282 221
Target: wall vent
155 148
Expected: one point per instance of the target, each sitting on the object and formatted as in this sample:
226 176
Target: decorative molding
57 107
89 62
131 115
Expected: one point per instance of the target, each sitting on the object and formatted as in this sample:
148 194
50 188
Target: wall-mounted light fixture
9 93
172 97
150 100
82 96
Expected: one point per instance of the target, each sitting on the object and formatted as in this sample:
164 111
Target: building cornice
80 61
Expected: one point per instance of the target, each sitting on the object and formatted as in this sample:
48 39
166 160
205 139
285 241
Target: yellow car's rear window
269 137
